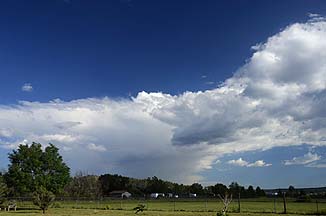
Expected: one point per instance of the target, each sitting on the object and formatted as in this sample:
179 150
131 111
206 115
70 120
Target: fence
264 205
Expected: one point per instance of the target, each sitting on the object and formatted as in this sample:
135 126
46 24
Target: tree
156 185
251 192
84 185
260 192
235 189
291 191
227 199
109 183
3 188
32 170
219 189
196 188
43 198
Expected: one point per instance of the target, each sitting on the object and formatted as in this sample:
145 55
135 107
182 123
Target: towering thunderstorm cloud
277 98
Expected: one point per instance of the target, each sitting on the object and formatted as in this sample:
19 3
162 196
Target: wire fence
265 205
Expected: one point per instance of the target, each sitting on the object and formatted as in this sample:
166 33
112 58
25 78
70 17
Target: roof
118 192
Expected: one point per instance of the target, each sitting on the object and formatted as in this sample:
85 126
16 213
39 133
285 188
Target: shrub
304 198
43 198
139 208
221 214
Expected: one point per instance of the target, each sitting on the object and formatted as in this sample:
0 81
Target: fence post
274 204
174 204
239 206
284 203
317 206
147 204
206 203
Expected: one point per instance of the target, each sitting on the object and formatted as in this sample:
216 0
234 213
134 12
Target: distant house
120 194
157 195
171 195
192 195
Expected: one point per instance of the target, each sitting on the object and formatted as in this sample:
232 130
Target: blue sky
218 89
77 49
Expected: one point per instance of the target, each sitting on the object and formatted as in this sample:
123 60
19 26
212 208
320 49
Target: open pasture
171 207
87 212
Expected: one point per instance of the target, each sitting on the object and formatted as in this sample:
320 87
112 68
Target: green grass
169 207
85 212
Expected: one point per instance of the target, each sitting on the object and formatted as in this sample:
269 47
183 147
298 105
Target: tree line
83 185
41 173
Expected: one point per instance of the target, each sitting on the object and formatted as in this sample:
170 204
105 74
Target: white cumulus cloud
242 163
239 162
277 98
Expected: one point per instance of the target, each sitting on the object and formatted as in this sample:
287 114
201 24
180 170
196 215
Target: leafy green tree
196 188
43 198
251 192
219 189
235 189
3 187
291 191
84 185
109 183
260 192
32 170
3 190
156 185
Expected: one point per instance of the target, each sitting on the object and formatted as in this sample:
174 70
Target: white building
192 195
120 194
157 195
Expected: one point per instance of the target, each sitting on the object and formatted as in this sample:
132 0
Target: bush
304 198
139 208
57 205
43 198
221 214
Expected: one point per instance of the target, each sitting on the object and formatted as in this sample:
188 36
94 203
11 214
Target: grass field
85 212
170 207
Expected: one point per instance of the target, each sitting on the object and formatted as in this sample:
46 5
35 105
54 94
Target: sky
189 91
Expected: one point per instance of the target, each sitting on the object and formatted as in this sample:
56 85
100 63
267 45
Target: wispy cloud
316 165
5 132
242 163
303 160
27 87
95 147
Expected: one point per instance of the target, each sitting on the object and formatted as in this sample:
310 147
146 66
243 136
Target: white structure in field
192 195
120 194
157 195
